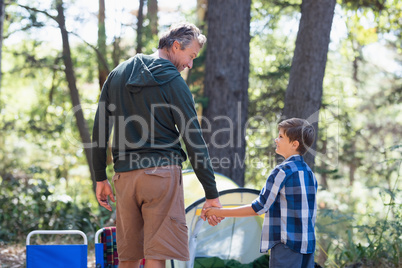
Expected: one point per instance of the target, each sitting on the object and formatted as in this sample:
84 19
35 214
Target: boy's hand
213 220
211 211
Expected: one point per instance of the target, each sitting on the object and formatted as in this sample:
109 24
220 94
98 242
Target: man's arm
187 122
100 134
185 117
100 137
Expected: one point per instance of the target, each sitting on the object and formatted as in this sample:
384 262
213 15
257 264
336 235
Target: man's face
183 59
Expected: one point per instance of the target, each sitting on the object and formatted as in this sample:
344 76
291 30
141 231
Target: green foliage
376 243
44 176
270 59
375 5
151 42
357 229
195 79
215 262
28 204
38 154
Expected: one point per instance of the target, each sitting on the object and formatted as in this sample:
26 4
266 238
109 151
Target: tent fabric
233 238
236 239
193 189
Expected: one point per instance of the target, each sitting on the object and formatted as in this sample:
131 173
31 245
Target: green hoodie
149 107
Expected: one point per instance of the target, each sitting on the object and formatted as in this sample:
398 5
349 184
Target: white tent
233 239
193 190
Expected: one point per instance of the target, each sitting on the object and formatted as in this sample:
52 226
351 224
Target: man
150 106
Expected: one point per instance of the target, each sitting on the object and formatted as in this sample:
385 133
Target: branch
20 30
38 11
101 57
285 4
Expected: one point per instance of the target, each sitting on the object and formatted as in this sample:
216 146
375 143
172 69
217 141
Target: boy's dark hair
300 130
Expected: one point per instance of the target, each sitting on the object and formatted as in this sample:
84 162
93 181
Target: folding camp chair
106 250
61 256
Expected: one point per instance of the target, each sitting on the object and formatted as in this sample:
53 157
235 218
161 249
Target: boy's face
284 147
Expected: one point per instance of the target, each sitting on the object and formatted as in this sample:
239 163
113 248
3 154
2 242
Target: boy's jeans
283 257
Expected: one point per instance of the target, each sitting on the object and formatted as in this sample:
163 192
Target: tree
140 20
200 22
103 70
153 16
201 12
304 92
226 85
75 99
2 14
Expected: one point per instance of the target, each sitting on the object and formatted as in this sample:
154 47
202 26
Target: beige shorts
150 215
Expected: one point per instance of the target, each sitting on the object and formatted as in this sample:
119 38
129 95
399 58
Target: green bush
28 204
377 243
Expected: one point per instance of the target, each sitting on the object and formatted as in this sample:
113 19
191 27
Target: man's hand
211 211
212 220
103 191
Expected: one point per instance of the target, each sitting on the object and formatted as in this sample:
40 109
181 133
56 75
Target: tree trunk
200 22
103 70
153 16
202 7
2 14
116 51
304 92
75 99
140 20
226 85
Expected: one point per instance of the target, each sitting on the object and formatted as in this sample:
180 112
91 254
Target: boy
288 200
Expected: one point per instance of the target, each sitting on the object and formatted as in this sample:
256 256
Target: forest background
55 57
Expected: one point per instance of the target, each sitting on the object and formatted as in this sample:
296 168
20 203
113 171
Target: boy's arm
243 211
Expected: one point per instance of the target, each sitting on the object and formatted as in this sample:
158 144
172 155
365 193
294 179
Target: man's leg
154 264
129 264
129 223
165 230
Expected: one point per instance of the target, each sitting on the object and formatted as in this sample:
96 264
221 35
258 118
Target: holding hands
213 211
211 204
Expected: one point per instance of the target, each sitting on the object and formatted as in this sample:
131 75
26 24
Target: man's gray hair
184 33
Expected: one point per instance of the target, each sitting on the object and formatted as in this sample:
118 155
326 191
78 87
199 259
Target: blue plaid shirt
288 200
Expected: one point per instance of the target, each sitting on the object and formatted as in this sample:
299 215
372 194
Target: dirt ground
14 256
